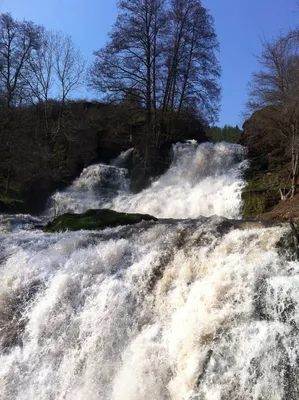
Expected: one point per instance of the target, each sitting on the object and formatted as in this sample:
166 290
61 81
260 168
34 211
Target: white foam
203 180
96 185
165 311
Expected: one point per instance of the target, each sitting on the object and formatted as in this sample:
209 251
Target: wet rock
95 220
283 310
13 318
204 368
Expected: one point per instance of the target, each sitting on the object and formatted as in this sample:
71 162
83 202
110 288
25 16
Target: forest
271 129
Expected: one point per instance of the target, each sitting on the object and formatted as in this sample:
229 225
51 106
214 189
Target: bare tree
275 91
18 41
164 51
40 72
56 69
68 71
192 68
129 63
41 68
69 66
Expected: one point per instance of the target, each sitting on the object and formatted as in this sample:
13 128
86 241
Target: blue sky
240 26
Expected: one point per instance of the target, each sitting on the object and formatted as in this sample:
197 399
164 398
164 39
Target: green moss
261 193
8 204
253 204
9 201
266 181
94 220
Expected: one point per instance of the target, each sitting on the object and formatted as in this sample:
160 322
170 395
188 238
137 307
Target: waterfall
177 309
122 159
96 185
202 180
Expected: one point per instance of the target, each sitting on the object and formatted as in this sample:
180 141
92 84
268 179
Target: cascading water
203 180
122 159
96 186
203 308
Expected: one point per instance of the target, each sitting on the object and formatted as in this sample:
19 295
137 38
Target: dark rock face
95 220
117 132
160 160
12 316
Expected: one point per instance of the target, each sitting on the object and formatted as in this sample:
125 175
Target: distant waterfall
203 179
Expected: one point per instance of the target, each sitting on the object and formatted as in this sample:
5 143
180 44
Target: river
199 305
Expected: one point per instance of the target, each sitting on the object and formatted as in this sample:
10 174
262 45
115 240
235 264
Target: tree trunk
294 167
8 176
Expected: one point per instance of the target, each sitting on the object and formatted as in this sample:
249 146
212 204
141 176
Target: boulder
95 220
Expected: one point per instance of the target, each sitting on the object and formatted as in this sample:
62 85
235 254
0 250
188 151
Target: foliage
35 132
228 133
262 192
8 204
253 204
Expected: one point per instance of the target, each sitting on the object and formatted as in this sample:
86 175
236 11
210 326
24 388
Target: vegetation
261 192
95 220
228 133
158 75
161 56
36 65
8 204
272 131
274 93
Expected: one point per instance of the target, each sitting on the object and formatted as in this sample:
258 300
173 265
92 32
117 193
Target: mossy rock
8 204
95 220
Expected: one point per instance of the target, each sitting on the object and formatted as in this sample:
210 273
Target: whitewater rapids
202 180
182 309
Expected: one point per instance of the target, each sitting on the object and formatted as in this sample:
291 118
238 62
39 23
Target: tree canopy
163 53
228 133
274 93
36 64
